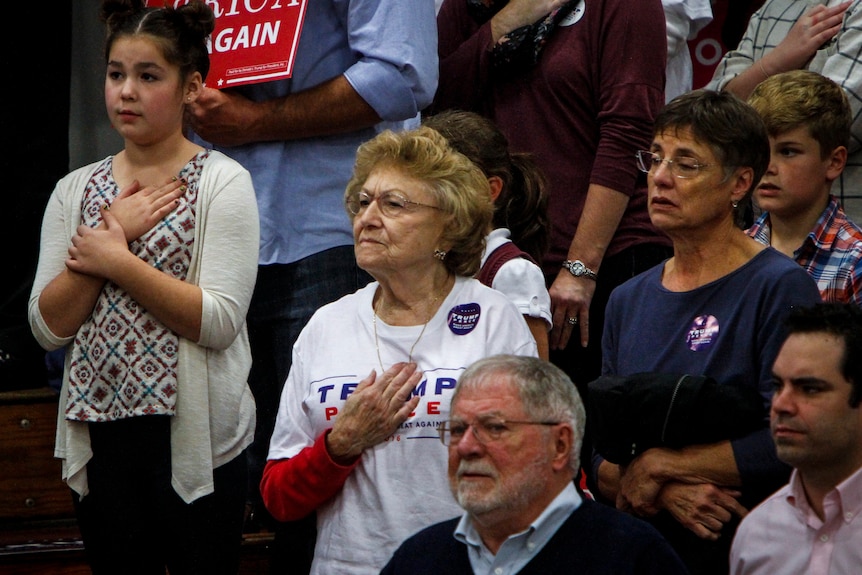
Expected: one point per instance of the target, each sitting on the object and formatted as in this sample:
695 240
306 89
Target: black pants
134 523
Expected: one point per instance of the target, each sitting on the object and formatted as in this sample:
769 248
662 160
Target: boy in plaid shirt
808 119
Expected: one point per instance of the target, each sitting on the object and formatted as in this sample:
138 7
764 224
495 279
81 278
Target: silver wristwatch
579 270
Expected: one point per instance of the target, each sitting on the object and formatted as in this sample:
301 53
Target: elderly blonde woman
356 435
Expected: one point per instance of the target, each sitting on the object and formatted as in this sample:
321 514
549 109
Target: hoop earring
735 204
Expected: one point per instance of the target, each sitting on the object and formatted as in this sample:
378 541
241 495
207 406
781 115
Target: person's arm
539 329
760 470
230 119
518 13
810 32
842 66
523 282
293 487
103 253
643 479
702 508
228 236
571 296
464 49
394 77
68 299
606 478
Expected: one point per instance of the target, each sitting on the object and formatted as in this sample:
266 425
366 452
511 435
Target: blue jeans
285 297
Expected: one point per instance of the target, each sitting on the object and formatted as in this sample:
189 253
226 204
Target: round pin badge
574 16
703 331
464 318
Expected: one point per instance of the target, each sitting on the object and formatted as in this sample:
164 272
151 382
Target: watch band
578 269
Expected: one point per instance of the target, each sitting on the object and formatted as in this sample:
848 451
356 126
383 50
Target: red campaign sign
708 47
729 22
253 41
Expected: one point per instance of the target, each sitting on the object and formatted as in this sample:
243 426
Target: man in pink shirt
813 524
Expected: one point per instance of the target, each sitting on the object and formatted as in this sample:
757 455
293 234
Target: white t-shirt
520 280
685 18
401 485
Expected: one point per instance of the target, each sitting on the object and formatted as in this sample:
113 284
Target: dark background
35 129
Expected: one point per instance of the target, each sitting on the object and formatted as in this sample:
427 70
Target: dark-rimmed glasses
683 167
390 204
485 429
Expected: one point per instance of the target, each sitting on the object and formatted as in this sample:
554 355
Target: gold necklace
412 347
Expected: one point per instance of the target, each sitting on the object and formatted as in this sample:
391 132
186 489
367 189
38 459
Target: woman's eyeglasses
390 204
682 167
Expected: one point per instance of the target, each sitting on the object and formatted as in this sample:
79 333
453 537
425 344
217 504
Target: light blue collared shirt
387 50
520 548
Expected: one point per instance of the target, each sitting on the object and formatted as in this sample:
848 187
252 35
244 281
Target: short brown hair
800 98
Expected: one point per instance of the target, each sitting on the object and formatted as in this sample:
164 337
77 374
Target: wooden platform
38 532
56 549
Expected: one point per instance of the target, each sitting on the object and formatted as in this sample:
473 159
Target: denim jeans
285 297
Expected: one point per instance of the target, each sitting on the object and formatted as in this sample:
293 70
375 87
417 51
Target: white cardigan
215 412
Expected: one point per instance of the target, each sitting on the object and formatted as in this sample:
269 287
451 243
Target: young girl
520 235
146 269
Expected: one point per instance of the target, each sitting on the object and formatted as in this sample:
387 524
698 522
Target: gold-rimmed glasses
391 204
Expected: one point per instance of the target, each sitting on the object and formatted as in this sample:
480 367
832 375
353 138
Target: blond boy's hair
799 98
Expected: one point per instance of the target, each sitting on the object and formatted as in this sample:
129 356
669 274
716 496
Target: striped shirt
830 254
